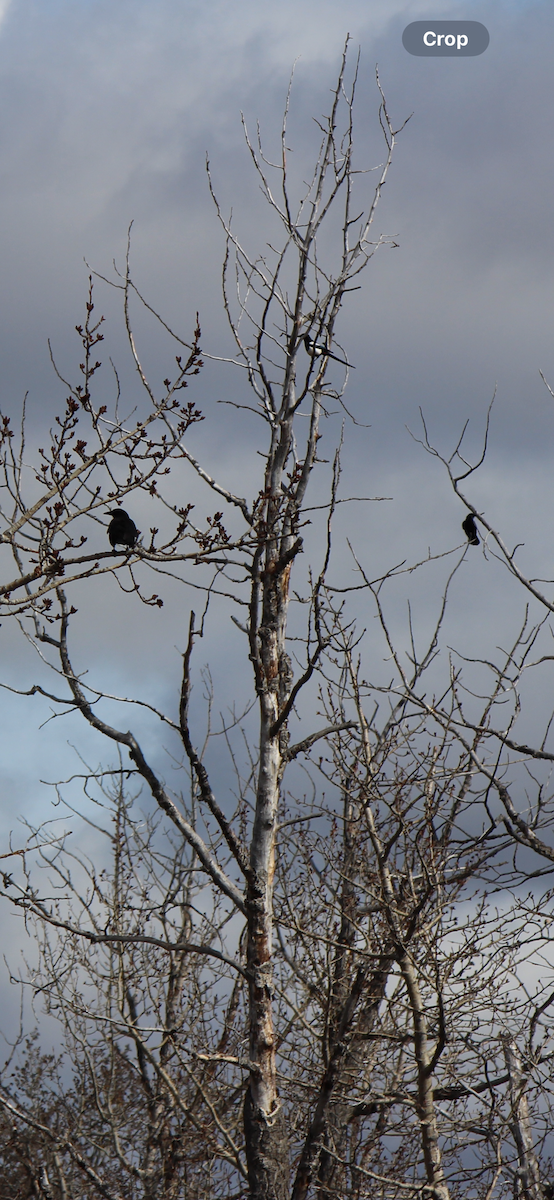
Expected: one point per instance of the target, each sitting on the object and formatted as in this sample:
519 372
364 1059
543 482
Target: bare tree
271 991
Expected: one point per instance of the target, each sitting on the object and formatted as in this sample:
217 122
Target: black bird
318 350
122 531
470 529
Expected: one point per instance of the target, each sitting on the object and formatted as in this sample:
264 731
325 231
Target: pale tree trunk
425 1101
265 1129
520 1125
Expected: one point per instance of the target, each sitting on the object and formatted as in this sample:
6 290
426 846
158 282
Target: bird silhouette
122 531
470 529
319 350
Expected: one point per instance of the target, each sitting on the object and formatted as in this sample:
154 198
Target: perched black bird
318 350
470 529
122 531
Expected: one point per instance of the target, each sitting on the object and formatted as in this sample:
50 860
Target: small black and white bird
318 350
470 529
122 531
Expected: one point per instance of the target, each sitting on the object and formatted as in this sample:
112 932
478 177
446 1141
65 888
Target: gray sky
106 114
